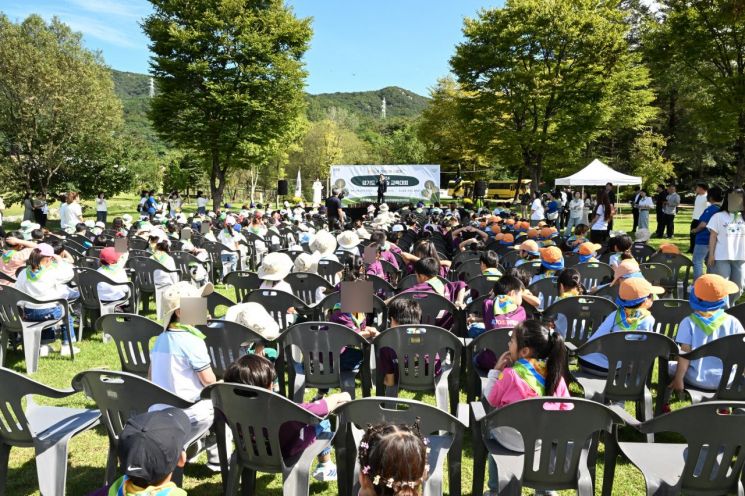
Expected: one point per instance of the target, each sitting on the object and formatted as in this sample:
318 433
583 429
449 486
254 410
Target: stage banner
405 182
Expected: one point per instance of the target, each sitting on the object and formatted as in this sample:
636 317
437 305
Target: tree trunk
217 181
740 150
519 183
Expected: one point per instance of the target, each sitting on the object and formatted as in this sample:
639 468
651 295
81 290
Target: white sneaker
325 472
65 350
44 350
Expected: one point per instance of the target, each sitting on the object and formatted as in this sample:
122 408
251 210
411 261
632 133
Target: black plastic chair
392 274
594 273
88 281
243 282
320 344
546 290
136 243
634 354
464 256
560 461
325 308
139 253
415 347
184 260
659 274
132 335
119 396
409 282
305 284
668 314
509 260
480 285
438 311
583 314
731 351
381 287
11 319
466 270
215 250
571 259
255 416
144 272
737 311
92 263
226 342
678 263
642 251
495 340
328 269
217 300
47 429
709 461
277 303
443 432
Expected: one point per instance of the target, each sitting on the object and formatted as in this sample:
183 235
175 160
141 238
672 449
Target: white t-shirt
646 202
63 215
176 359
100 205
699 206
601 224
73 214
202 201
730 231
536 210
576 206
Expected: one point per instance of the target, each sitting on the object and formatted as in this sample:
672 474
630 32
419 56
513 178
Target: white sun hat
275 267
324 243
348 240
255 317
170 298
305 262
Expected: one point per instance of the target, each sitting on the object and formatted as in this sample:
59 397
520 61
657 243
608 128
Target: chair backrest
546 290
321 344
476 306
416 347
305 284
480 285
467 270
668 314
132 335
391 272
94 251
120 395
570 259
144 269
714 458
325 307
381 287
609 292
255 416
658 274
133 252
584 314
136 243
562 434
217 300
243 282
738 311
409 282
463 256
594 273
328 269
678 263
183 260
88 262
88 280
277 303
634 354
10 313
731 351
642 251
435 308
509 260
226 342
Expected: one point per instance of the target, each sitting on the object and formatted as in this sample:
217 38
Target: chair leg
31 345
234 476
248 486
51 467
112 465
4 457
4 335
297 481
609 465
479 458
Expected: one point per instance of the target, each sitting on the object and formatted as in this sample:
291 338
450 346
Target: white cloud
129 9
99 30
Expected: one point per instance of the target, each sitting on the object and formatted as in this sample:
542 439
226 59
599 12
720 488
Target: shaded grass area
88 451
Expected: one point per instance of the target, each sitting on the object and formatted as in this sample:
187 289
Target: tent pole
618 192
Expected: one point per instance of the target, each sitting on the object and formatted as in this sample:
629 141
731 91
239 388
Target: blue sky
357 44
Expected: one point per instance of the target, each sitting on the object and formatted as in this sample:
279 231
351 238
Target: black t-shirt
333 204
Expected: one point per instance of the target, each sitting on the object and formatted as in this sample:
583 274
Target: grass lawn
88 451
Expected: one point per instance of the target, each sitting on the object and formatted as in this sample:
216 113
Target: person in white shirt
162 279
174 203
601 220
536 210
699 205
202 201
114 270
317 192
73 212
576 210
101 208
644 204
231 239
45 278
727 241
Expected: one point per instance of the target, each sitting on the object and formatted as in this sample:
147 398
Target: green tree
698 50
546 77
648 161
59 116
229 77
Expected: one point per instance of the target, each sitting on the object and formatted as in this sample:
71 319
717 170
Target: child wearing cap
529 252
180 361
709 297
552 261
114 270
588 251
151 447
294 437
16 253
635 297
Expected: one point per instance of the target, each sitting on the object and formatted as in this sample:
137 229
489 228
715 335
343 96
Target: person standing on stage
382 184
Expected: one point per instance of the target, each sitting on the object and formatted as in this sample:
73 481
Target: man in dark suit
382 184
635 208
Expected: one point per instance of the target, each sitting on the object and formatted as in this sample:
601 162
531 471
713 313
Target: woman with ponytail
393 461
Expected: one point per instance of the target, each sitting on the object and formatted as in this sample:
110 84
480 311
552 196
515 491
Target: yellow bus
464 189
504 189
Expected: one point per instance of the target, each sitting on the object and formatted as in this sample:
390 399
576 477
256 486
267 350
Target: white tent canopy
598 174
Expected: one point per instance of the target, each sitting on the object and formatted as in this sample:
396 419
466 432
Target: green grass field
88 451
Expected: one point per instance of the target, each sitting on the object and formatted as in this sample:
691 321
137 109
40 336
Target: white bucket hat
362 233
324 243
170 298
255 317
348 240
642 235
305 262
275 267
383 207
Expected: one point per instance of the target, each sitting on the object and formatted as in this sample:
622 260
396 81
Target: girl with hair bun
393 461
